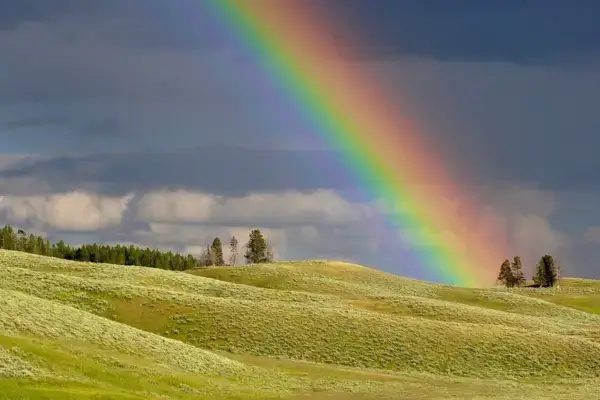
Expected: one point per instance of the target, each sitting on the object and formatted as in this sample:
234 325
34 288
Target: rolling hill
305 329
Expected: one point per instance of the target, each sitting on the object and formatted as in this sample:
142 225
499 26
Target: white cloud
264 209
318 224
79 211
176 206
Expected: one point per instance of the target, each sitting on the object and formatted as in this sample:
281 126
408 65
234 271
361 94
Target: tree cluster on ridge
546 273
258 250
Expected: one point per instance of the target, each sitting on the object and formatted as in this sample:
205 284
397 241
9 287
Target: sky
143 122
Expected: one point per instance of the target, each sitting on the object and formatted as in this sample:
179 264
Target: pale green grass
22 314
14 365
287 330
323 277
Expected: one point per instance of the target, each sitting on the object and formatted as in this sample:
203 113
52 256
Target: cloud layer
313 224
73 211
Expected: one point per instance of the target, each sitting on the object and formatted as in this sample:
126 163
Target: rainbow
382 148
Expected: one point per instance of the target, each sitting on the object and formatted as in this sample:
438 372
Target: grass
306 329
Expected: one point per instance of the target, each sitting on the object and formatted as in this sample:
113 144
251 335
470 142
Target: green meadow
289 330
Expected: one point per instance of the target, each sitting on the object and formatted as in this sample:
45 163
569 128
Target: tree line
545 274
258 250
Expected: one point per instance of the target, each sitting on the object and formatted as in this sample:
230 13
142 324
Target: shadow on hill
535 286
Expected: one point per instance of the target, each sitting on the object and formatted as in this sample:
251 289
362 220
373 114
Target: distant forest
257 250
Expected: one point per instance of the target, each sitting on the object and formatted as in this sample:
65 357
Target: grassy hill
310 329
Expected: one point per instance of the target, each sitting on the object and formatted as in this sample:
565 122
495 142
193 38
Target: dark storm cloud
219 170
532 31
138 23
83 60
109 125
102 126
236 171
34 122
15 12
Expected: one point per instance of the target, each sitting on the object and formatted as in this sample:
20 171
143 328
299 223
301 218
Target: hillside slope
142 333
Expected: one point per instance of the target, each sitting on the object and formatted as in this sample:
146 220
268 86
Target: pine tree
545 274
256 248
216 251
8 238
517 271
505 276
539 276
233 250
31 244
21 240
550 269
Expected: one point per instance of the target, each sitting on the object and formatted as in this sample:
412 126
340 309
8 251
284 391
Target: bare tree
269 253
233 251
206 257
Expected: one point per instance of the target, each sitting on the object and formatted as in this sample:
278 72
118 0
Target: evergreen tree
550 269
505 276
21 240
517 271
216 250
190 262
256 248
233 251
539 276
545 273
9 239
